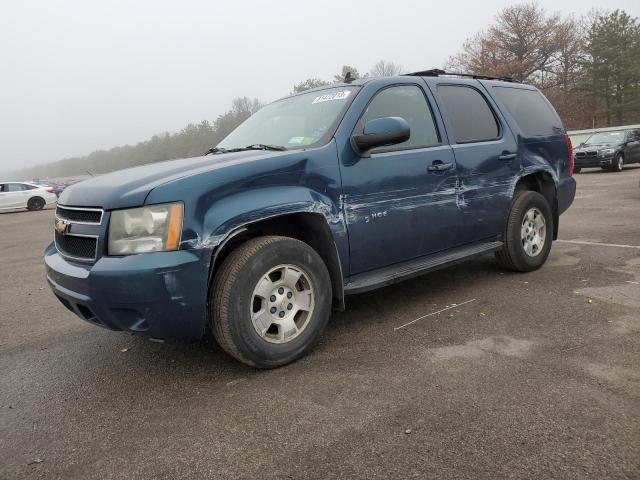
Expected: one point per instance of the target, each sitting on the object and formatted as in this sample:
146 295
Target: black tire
231 300
513 255
36 203
577 169
618 163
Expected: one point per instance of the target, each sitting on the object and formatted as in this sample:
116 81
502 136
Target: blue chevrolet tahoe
318 195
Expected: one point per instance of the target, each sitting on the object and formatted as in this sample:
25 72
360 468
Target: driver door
397 205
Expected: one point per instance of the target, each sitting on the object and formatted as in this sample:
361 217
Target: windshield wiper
260 146
215 150
255 146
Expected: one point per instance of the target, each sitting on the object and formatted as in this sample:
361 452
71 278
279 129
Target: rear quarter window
530 110
470 115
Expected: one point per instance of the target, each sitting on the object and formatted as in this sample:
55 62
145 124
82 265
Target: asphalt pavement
527 376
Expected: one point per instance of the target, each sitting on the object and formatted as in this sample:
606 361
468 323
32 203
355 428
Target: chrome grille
586 154
78 247
78 231
87 216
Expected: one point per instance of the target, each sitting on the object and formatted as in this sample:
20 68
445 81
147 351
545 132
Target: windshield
605 137
292 122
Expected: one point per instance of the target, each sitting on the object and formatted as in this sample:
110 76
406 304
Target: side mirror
381 132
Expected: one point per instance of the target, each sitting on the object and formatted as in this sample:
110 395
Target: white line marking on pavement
455 305
597 244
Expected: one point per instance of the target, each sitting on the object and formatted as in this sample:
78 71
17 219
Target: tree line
588 67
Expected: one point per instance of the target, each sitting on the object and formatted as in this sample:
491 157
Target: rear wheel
36 203
577 169
270 301
528 234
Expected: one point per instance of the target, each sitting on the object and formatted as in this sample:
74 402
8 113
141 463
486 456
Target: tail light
50 190
567 140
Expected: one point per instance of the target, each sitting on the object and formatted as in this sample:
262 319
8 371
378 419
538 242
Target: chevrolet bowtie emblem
61 226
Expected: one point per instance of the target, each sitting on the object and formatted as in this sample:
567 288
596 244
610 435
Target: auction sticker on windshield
332 96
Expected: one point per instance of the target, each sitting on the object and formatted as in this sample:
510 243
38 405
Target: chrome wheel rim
533 232
620 162
282 304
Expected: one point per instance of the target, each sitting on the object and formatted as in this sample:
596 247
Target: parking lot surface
536 376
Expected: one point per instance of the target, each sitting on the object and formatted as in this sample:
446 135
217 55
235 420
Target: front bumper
586 162
161 294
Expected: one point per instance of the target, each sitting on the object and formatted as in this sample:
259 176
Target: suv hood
597 146
130 187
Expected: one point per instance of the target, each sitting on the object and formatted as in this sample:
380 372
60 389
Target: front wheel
528 234
577 169
618 163
270 301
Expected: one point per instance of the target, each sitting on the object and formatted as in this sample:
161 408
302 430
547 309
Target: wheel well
544 184
310 228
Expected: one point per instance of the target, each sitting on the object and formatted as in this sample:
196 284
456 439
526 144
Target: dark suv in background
608 150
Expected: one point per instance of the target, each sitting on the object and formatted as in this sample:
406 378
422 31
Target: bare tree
385 68
246 105
521 43
308 84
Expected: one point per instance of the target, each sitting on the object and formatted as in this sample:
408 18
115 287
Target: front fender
243 208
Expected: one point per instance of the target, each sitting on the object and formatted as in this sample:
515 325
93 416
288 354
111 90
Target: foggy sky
76 76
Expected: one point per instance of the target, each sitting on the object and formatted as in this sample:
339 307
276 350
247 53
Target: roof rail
436 72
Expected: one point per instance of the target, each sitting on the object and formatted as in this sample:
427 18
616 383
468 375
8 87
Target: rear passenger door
486 157
633 146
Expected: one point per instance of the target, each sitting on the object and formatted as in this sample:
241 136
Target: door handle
507 156
439 167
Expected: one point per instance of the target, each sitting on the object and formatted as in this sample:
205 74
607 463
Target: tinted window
14 187
470 115
530 110
408 102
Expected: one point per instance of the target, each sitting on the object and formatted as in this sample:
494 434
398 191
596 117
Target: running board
405 270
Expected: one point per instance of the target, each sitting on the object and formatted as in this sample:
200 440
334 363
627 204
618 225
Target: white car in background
25 195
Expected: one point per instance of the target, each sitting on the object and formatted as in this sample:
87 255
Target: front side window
293 122
471 116
408 102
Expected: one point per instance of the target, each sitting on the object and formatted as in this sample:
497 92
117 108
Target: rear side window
470 114
534 115
14 187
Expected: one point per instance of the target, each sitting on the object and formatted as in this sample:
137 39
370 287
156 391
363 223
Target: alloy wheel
282 303
533 232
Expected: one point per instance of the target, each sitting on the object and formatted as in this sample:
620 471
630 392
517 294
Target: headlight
606 152
155 228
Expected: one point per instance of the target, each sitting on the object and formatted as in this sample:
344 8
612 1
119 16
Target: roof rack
436 72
